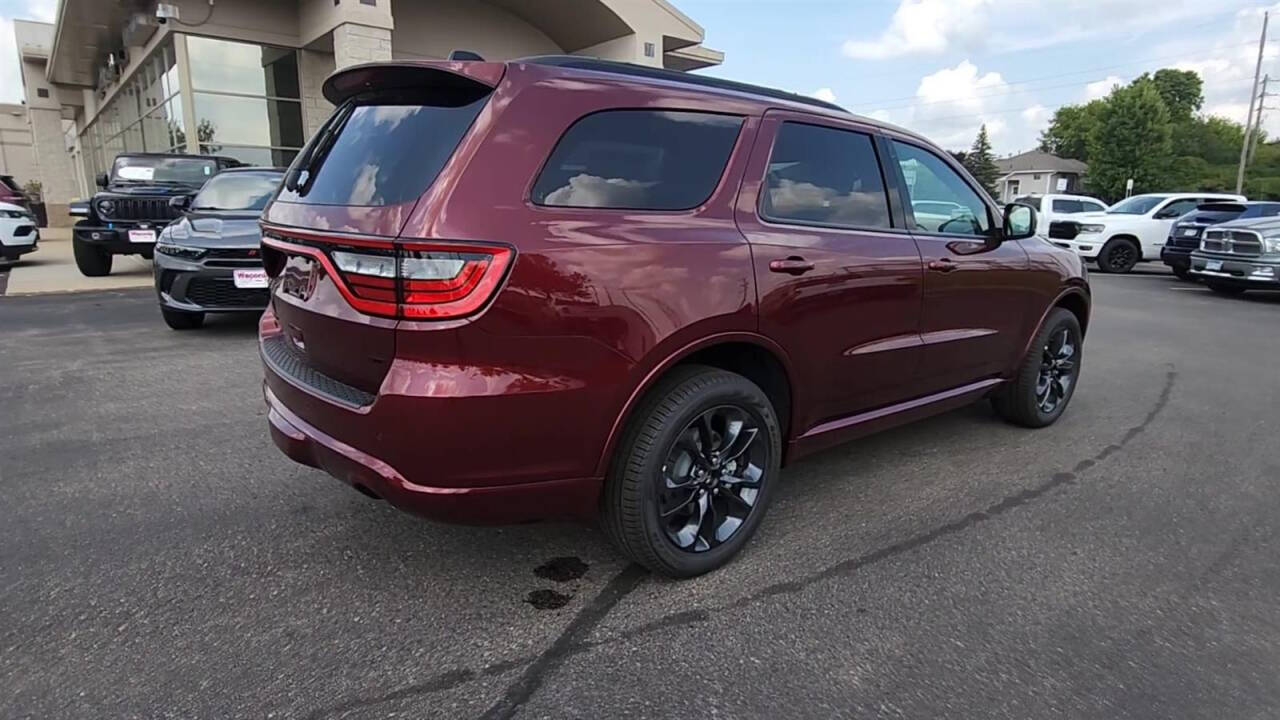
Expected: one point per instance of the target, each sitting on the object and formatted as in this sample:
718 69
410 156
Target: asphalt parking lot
159 558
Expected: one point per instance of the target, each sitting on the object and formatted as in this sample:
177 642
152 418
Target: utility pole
1257 123
1253 96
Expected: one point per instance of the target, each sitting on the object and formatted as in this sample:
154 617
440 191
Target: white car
1051 208
1133 230
18 231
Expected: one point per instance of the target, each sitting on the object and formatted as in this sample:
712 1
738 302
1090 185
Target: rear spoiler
467 81
1221 207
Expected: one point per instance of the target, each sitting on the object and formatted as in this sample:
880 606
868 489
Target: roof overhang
693 57
86 32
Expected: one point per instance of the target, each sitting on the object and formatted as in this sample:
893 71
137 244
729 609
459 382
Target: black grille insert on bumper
285 360
222 292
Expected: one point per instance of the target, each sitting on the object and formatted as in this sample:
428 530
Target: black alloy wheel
1044 381
1118 256
1057 371
711 479
691 479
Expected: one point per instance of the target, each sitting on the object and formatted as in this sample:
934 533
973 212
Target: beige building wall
313 67
17 153
433 30
354 44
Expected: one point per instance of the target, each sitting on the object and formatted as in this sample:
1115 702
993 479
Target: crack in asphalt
571 640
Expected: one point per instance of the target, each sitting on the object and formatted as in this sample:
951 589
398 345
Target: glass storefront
245 99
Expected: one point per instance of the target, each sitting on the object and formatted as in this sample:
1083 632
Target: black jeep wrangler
126 216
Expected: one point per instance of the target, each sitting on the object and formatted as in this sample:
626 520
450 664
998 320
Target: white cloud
952 103
1035 114
825 94
933 27
1102 88
10 74
924 27
1230 111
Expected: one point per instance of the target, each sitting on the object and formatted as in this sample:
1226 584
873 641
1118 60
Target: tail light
410 280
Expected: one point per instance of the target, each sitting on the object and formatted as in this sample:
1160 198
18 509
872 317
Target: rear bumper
487 505
1176 257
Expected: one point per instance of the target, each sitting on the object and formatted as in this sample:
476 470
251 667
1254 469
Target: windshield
247 191
1139 205
1260 210
187 170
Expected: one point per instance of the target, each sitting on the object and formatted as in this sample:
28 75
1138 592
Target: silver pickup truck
1239 255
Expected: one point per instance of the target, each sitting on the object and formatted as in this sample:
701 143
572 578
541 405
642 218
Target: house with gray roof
1038 173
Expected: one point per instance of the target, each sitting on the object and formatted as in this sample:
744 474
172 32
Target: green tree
1181 90
1068 133
981 162
1133 138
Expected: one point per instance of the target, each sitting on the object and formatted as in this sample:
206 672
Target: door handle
793 265
945 265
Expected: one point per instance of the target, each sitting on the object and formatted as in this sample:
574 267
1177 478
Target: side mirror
1019 221
78 208
102 180
180 202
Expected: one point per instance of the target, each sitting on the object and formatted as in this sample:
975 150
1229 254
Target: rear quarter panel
595 299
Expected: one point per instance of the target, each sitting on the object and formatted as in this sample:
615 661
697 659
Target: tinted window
1178 207
1261 210
237 191
1031 200
1137 205
385 152
826 176
150 169
638 159
1067 206
931 180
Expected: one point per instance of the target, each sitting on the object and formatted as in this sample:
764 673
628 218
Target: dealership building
243 77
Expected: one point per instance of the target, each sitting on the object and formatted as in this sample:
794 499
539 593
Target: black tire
92 261
1119 255
182 320
1229 289
1184 274
640 474
1022 401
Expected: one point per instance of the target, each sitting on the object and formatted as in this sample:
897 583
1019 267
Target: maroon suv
564 287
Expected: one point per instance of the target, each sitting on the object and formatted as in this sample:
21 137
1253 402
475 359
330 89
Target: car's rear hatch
331 234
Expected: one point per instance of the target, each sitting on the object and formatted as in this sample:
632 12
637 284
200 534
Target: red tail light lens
414 280
441 281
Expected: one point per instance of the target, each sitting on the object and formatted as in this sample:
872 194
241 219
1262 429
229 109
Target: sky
945 67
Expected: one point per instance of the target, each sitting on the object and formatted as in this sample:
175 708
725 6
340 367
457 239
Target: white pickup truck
1131 231
1050 208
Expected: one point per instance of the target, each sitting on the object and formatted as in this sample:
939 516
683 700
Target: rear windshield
248 191
1257 210
1029 200
146 169
638 159
387 151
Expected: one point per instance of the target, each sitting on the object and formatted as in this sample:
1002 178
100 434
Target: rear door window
638 160
824 176
388 150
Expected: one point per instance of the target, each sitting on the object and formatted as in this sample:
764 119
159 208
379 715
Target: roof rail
622 68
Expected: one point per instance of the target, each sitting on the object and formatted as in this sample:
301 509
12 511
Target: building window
1035 177
246 100
42 92
649 49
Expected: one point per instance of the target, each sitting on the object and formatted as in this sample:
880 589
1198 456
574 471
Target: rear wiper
306 166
